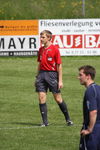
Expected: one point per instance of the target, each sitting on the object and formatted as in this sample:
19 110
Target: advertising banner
74 37
18 37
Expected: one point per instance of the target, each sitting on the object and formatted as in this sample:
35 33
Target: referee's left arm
60 82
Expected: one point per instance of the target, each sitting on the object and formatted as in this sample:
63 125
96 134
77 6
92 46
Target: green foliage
19 111
47 9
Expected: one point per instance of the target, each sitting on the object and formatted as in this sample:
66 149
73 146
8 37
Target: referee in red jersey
49 76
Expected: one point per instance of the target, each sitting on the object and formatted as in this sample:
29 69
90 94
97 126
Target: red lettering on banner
68 41
92 41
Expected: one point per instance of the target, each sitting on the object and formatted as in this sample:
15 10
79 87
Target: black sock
43 110
64 109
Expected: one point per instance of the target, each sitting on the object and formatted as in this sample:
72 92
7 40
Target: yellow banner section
18 27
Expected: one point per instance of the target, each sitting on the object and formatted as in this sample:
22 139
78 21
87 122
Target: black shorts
47 80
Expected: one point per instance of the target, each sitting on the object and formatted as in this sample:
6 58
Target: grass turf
19 112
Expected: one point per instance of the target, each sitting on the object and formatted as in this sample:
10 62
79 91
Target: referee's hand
60 85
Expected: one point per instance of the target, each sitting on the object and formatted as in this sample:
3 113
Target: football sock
64 109
43 111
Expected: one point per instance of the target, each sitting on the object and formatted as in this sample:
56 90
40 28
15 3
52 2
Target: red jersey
49 58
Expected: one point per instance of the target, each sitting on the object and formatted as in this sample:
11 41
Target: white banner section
74 37
18 44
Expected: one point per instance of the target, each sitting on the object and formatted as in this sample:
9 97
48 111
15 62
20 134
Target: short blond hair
48 33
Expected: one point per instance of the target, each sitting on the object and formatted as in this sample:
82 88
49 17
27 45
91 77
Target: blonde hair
47 32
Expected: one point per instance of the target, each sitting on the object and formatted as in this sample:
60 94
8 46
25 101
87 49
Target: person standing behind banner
90 133
49 76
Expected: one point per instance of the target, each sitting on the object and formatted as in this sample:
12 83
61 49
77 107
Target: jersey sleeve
38 58
58 57
91 99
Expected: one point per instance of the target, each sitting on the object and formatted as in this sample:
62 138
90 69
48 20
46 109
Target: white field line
53 125
16 128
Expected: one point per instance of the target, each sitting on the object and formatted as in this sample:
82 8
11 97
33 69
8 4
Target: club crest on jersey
49 49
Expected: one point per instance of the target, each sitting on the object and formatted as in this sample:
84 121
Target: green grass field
19 112
48 9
